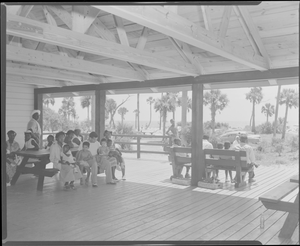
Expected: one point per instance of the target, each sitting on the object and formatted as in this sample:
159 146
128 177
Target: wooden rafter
42 32
225 21
124 41
207 18
63 14
253 31
21 11
51 73
164 21
61 62
31 80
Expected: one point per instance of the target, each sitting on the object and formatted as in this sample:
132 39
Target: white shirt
235 144
94 147
250 156
35 126
206 144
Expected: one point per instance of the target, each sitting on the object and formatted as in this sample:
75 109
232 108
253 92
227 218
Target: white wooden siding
19 105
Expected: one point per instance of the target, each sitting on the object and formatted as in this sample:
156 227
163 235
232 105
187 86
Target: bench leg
40 183
290 223
18 171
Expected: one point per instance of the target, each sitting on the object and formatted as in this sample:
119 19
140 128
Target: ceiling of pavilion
55 45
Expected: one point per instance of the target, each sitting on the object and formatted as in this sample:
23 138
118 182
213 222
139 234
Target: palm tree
268 110
164 105
73 114
48 100
85 103
189 103
174 100
276 111
67 107
150 100
290 98
255 96
111 108
122 111
217 102
136 117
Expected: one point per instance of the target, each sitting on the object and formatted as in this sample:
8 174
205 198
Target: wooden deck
147 206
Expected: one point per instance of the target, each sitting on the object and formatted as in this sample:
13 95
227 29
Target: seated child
68 159
178 169
85 159
50 140
227 146
115 152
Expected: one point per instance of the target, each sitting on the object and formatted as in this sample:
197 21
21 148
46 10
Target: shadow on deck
147 206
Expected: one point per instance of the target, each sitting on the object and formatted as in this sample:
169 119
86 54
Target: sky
238 111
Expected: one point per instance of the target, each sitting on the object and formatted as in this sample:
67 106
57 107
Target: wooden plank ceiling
55 45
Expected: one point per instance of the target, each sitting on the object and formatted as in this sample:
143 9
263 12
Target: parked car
230 136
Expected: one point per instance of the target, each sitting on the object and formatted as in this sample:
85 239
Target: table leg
42 166
18 171
290 223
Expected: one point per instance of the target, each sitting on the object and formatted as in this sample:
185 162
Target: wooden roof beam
207 18
253 31
26 28
173 25
124 41
51 73
63 14
225 21
31 80
272 81
61 62
155 90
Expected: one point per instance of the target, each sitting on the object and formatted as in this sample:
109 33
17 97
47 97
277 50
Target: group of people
240 143
92 156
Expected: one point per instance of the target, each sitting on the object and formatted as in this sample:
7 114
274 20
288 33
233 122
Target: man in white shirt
250 156
34 125
205 143
94 146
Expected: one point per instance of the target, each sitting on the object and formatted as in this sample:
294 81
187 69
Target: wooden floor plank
147 206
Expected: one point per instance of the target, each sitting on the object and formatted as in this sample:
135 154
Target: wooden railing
167 141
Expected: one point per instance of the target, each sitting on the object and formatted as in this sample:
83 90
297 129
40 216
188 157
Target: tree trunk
267 117
160 120
285 119
213 119
150 117
253 119
88 112
164 122
122 119
276 112
174 114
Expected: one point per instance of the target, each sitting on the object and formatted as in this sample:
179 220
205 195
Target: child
227 146
85 159
103 153
68 159
30 143
115 152
178 169
50 141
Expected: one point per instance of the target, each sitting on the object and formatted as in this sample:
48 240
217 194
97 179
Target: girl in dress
67 160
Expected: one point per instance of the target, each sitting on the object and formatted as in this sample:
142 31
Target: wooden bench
233 161
178 162
273 200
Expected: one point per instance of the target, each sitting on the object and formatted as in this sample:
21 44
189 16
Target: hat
35 111
28 131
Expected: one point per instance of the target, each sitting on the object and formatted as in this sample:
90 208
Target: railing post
138 147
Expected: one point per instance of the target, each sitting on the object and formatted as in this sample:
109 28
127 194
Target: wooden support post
138 149
183 108
93 112
198 165
100 99
38 104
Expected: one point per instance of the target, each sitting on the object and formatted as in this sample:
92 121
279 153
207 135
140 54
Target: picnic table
40 166
272 200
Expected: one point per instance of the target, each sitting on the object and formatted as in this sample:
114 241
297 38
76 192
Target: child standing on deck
67 161
85 159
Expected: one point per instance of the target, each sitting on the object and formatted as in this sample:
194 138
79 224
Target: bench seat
272 199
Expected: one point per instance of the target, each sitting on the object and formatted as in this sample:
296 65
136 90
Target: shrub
186 134
214 139
279 148
124 129
276 141
263 146
125 145
265 128
293 142
280 161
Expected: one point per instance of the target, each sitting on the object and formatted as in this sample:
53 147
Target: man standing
34 125
173 130
249 155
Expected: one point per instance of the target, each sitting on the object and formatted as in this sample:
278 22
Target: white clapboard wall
19 105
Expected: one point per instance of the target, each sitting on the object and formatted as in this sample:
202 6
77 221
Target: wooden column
93 112
198 168
276 111
183 108
100 99
38 104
